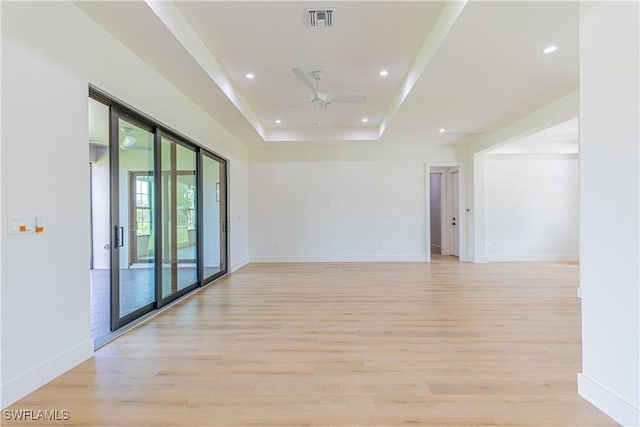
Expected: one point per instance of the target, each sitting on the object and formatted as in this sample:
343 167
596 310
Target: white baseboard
18 387
342 258
579 291
531 258
238 265
480 259
608 402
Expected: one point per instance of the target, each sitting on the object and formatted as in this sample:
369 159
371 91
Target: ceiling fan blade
345 97
137 148
297 104
305 80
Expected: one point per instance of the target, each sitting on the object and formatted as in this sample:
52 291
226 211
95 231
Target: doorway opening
445 222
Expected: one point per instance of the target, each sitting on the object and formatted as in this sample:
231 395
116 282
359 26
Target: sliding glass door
165 228
133 192
214 217
179 218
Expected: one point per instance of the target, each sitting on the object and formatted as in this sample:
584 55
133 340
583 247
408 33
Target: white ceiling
470 68
558 139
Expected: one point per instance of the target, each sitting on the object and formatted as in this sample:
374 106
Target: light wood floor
384 344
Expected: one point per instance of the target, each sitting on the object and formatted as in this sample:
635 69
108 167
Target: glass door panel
179 218
133 219
213 217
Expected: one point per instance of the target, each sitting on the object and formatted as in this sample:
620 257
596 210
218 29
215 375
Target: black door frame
117 110
117 229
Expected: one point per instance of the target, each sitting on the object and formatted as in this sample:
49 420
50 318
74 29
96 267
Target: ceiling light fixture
442 130
249 76
365 120
278 121
550 49
129 140
384 73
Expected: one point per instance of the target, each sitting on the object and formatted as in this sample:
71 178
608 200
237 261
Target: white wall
50 53
531 207
610 199
1 218
340 202
238 220
100 208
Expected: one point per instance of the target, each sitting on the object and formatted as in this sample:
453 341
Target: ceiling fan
323 99
130 142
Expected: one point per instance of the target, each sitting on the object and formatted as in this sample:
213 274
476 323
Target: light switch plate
21 225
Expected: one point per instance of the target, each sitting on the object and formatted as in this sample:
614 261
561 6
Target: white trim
238 265
169 14
24 384
608 402
560 110
445 22
579 292
341 258
530 258
532 156
480 259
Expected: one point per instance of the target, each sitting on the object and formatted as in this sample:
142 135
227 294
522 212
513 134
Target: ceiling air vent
320 18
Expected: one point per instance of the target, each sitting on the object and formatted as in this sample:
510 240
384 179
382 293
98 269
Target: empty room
313 213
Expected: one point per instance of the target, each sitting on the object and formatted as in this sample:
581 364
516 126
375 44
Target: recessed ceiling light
278 121
550 49
249 75
384 73
442 130
365 120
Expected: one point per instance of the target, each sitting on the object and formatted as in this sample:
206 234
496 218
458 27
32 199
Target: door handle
119 237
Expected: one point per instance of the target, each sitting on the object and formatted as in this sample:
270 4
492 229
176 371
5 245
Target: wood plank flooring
345 344
137 289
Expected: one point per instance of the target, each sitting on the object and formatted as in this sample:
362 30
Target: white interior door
454 213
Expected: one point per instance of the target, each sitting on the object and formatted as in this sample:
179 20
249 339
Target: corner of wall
238 265
18 387
611 404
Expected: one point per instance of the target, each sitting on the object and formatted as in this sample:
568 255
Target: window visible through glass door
179 225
